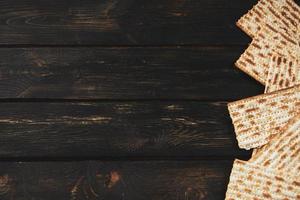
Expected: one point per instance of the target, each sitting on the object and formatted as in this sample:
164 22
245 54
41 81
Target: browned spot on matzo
286 70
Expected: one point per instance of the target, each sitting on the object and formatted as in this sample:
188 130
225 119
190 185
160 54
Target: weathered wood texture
124 73
114 180
117 129
122 22
141 86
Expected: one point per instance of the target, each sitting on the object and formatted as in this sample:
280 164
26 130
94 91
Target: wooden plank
124 73
122 22
115 180
117 129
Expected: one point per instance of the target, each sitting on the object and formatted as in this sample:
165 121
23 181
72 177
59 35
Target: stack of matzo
269 123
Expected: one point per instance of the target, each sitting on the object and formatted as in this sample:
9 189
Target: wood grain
166 180
124 73
117 129
122 22
139 87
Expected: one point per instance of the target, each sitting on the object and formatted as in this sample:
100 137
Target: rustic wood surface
143 180
194 73
116 129
119 99
122 22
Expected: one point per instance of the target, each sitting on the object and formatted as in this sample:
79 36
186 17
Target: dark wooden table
119 99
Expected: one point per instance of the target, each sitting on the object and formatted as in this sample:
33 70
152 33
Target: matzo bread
254 182
256 59
283 73
280 13
255 119
283 150
273 173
